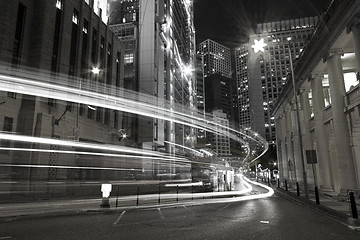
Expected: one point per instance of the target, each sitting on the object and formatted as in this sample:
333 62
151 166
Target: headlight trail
70 167
242 198
125 101
124 156
108 147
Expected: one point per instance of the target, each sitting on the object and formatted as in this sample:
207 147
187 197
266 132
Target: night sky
230 22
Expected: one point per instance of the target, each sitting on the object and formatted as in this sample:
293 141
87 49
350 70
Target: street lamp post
259 46
298 125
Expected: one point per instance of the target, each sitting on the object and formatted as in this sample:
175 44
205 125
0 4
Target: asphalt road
269 218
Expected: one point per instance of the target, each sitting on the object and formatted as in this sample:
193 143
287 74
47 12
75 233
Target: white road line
187 209
118 219
8 237
224 207
161 214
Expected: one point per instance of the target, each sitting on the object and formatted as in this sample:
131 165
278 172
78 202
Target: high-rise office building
220 144
215 87
57 43
159 52
242 82
215 57
218 94
262 66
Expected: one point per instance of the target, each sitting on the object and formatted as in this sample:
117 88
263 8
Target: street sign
311 157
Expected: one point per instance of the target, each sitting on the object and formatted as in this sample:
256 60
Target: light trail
108 147
70 167
126 101
238 194
97 154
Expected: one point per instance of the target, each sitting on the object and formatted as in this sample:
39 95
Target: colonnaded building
318 139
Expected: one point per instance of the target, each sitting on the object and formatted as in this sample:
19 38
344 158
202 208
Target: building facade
216 58
321 134
59 43
262 66
218 95
220 144
242 83
159 39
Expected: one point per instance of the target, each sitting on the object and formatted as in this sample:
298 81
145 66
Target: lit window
128 58
59 4
75 17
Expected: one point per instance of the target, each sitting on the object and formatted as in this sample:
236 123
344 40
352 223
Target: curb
331 213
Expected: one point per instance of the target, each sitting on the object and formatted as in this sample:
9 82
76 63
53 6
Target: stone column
321 137
305 115
280 144
296 161
289 161
341 131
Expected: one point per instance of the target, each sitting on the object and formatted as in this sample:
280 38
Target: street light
95 70
259 46
298 123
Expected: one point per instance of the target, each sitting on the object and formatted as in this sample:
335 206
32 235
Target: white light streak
127 101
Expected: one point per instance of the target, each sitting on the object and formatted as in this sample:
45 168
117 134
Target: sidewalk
331 205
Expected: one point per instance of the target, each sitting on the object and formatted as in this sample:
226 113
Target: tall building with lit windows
216 88
59 43
215 57
220 144
242 83
159 52
262 67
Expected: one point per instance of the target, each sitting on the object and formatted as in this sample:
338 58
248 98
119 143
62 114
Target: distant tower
220 143
216 58
242 81
261 81
215 86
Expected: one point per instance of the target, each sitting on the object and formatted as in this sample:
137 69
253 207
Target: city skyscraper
72 48
218 94
242 82
262 66
216 58
220 144
159 39
215 89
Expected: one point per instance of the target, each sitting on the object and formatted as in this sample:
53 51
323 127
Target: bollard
137 198
353 205
159 193
192 192
317 199
278 181
297 189
117 197
286 187
177 193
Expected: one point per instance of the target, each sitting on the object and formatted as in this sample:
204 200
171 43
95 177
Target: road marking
8 237
118 219
187 209
265 222
161 214
224 207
